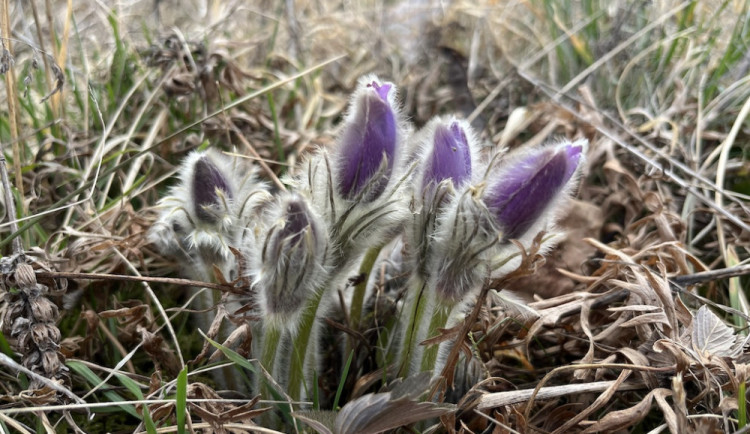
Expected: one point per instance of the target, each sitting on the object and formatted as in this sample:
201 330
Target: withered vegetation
637 321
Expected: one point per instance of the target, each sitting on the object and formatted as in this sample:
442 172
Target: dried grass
621 330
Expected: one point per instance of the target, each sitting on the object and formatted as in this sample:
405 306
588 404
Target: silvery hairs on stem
207 211
359 186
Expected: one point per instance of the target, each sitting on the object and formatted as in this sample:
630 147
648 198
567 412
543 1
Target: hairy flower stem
301 349
416 310
271 345
439 320
358 298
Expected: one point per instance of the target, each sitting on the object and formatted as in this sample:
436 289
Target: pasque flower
445 150
199 218
368 142
519 197
210 189
197 213
359 187
292 258
450 154
527 185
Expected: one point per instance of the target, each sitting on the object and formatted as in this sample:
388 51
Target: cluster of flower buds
454 213
470 241
518 198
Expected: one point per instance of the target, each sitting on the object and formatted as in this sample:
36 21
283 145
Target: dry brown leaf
623 419
646 318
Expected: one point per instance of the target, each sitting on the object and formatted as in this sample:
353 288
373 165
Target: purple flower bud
368 143
450 157
292 257
525 186
206 183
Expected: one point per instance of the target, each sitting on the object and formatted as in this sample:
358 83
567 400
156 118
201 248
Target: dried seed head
291 263
30 318
523 189
368 144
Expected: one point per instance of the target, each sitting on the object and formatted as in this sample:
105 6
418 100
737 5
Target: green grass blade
181 404
342 381
741 406
93 379
135 389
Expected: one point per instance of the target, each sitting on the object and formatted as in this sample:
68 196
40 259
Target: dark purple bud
292 258
450 157
525 187
297 222
206 183
368 144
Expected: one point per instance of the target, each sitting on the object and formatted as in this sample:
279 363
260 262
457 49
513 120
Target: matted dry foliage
637 321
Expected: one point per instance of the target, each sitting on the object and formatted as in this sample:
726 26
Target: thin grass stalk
10 87
741 405
62 55
40 38
737 297
10 205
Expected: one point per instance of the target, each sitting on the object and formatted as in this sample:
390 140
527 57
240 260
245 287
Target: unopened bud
368 144
450 156
292 260
524 187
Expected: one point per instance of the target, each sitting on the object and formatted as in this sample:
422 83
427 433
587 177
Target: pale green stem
300 347
742 406
416 308
271 345
358 298
439 320
386 332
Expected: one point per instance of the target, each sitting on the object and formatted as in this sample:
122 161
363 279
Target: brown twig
711 275
120 277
